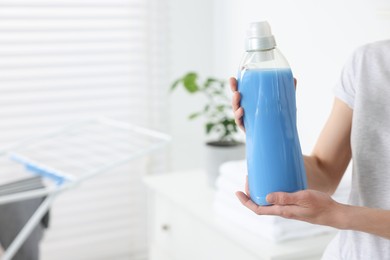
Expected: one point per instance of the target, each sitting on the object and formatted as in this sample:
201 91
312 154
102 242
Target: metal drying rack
75 153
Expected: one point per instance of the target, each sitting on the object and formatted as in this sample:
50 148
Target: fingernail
270 198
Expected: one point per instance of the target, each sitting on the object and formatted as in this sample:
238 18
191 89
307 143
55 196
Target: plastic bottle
266 85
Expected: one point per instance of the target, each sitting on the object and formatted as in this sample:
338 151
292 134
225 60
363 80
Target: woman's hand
308 205
237 109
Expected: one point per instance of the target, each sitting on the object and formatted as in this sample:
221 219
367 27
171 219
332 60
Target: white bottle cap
259 37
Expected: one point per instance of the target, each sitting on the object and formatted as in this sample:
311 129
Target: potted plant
219 121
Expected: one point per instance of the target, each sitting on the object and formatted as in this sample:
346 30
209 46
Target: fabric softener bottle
266 85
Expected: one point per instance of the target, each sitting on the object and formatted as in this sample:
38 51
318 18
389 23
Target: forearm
369 220
332 152
317 177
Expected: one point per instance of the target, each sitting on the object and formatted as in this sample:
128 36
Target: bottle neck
258 59
263 55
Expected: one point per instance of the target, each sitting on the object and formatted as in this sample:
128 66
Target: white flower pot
218 153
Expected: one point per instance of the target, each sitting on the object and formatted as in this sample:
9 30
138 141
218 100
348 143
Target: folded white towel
225 202
273 228
235 171
228 208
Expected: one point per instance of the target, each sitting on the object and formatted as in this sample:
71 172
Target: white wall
316 37
191 50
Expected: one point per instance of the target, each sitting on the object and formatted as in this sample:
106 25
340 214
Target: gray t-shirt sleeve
345 88
365 86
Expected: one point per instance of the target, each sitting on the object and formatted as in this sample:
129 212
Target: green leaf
209 81
230 121
206 108
189 82
194 115
225 122
220 108
233 127
209 126
174 85
218 93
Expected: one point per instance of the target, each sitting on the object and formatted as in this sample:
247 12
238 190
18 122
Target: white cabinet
182 226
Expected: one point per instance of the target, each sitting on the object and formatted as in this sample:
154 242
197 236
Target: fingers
233 84
283 198
259 210
238 114
237 110
247 187
275 210
236 100
238 118
246 201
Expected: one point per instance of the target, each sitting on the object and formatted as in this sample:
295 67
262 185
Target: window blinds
66 60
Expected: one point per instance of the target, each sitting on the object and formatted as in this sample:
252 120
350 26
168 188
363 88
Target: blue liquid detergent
273 151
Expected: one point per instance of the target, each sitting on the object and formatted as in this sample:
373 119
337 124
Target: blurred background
63 61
